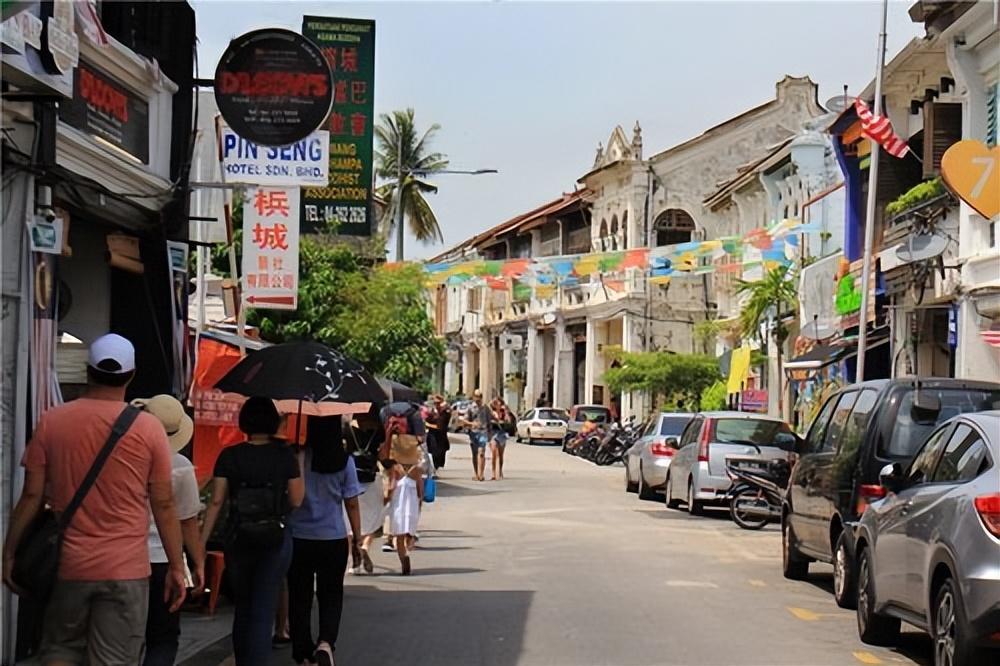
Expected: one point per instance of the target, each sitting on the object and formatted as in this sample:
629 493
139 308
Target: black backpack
259 514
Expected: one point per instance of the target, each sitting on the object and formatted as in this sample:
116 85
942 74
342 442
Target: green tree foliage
397 134
714 397
674 379
778 289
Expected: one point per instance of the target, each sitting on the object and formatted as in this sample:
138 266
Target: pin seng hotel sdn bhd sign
348 46
273 87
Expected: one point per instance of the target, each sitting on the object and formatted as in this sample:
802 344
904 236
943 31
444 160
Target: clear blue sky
531 88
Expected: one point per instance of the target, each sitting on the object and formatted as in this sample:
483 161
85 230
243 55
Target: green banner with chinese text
349 48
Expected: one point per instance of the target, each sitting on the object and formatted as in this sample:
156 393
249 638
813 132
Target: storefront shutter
942 128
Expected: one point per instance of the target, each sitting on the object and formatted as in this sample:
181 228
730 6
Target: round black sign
273 87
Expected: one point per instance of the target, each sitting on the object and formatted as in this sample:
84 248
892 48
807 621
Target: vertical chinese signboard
271 248
349 47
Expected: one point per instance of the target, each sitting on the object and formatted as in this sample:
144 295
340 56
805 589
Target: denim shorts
500 437
477 440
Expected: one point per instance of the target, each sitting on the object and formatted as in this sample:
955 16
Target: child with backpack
405 496
261 479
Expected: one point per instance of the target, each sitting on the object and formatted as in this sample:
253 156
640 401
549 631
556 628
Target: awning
825 354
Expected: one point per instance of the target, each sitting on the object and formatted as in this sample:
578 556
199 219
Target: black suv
859 430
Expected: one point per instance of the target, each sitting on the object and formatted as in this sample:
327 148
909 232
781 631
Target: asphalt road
557 565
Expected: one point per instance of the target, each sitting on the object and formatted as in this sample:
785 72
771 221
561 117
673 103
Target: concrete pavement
556 565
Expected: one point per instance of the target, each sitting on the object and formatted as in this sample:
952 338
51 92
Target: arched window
613 238
625 230
602 236
673 226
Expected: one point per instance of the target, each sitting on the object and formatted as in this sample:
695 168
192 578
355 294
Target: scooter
616 443
758 487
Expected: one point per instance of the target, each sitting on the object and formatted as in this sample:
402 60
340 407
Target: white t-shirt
187 502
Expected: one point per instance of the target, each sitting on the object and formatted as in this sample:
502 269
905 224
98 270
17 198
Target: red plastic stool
215 565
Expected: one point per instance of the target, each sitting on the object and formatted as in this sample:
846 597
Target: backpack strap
118 430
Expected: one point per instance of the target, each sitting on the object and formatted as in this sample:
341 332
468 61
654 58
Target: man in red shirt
97 612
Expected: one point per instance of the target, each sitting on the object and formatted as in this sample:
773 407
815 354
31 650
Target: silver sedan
929 553
646 463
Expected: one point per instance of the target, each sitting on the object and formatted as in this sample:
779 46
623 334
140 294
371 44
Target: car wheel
668 494
793 565
953 642
845 584
694 506
629 486
872 628
645 492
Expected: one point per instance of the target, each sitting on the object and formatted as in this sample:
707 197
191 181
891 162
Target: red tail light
988 507
867 494
661 449
706 437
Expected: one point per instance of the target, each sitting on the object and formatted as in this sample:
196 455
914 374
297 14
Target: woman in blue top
319 538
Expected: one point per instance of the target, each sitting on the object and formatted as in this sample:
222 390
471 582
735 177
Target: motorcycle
616 442
758 487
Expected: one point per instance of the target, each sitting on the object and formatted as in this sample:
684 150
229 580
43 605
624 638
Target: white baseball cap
113 354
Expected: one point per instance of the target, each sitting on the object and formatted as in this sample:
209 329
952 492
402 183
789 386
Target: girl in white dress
405 496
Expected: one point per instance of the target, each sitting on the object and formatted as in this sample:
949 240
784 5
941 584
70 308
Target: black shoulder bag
36 561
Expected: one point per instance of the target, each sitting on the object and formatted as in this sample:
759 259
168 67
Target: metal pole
230 232
870 211
399 197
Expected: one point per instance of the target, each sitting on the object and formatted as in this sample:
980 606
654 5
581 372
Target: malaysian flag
992 335
879 130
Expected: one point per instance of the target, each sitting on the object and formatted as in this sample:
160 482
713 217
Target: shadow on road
434 627
450 489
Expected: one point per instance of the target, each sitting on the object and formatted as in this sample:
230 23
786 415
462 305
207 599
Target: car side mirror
891 477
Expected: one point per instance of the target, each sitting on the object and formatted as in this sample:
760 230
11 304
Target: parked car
542 424
858 431
581 414
647 460
929 553
697 474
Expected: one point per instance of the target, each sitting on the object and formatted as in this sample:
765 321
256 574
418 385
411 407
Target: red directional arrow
272 300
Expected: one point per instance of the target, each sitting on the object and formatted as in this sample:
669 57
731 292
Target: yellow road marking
803 614
757 583
867 658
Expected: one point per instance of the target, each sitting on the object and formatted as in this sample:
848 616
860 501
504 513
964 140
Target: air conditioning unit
511 342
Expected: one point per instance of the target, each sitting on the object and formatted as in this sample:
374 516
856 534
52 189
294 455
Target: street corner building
97 135
624 249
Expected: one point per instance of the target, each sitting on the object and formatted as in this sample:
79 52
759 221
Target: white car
647 462
542 424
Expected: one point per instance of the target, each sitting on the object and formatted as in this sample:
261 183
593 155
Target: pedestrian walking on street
370 502
319 541
97 610
478 422
262 481
163 626
405 497
438 431
499 417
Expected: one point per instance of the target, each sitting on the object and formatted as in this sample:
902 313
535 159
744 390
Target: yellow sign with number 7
972 171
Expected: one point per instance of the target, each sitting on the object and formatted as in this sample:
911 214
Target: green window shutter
992 102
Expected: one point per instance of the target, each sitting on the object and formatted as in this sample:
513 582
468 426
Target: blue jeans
255 577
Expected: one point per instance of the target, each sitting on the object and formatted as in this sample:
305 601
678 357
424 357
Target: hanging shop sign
105 109
972 171
40 47
345 200
847 298
273 87
305 162
271 248
754 400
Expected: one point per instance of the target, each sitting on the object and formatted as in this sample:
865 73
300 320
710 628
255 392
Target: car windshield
754 431
593 414
908 434
673 426
553 415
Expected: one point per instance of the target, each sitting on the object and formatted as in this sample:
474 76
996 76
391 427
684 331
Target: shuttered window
992 102
942 128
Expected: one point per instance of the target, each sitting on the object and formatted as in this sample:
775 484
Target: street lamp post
399 192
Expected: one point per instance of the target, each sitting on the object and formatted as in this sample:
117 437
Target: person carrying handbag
98 600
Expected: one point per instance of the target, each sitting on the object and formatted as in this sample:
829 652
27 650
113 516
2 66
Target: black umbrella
307 377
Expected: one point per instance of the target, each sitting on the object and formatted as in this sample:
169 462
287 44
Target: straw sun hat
170 412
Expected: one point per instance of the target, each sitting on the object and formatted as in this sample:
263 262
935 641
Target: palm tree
403 159
776 289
